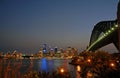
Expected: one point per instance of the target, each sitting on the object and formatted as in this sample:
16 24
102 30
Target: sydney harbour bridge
106 32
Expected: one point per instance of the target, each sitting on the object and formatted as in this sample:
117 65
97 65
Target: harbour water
16 68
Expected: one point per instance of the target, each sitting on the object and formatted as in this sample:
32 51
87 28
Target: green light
23 55
109 31
116 25
106 33
99 38
102 37
112 28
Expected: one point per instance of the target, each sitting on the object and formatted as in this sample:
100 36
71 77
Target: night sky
27 24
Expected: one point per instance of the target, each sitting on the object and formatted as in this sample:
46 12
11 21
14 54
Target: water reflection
30 68
44 65
51 65
1 68
16 68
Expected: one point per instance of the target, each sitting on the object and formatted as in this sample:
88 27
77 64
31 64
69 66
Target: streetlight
116 25
112 28
62 70
89 60
112 64
78 68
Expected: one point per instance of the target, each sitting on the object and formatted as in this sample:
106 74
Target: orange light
62 70
78 68
89 74
112 64
88 60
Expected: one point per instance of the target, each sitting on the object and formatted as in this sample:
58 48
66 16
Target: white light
109 31
116 25
112 28
106 33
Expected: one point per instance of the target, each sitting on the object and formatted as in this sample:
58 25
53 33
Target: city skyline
27 24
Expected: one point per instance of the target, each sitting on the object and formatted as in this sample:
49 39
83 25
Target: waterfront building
52 53
44 48
55 49
40 54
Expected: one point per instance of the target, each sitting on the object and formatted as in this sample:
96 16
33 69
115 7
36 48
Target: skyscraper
44 48
55 49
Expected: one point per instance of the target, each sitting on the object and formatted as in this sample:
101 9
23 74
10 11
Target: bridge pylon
118 19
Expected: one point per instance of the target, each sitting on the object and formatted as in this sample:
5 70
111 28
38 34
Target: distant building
55 49
44 48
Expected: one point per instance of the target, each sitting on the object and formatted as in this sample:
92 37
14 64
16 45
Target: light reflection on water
11 68
44 65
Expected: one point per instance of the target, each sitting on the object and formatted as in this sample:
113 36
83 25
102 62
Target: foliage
101 64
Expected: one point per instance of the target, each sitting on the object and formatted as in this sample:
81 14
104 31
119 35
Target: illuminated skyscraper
55 49
44 48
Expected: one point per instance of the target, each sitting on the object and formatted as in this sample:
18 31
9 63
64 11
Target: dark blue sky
27 24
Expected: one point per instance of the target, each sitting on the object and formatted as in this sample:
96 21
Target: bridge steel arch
103 27
99 28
